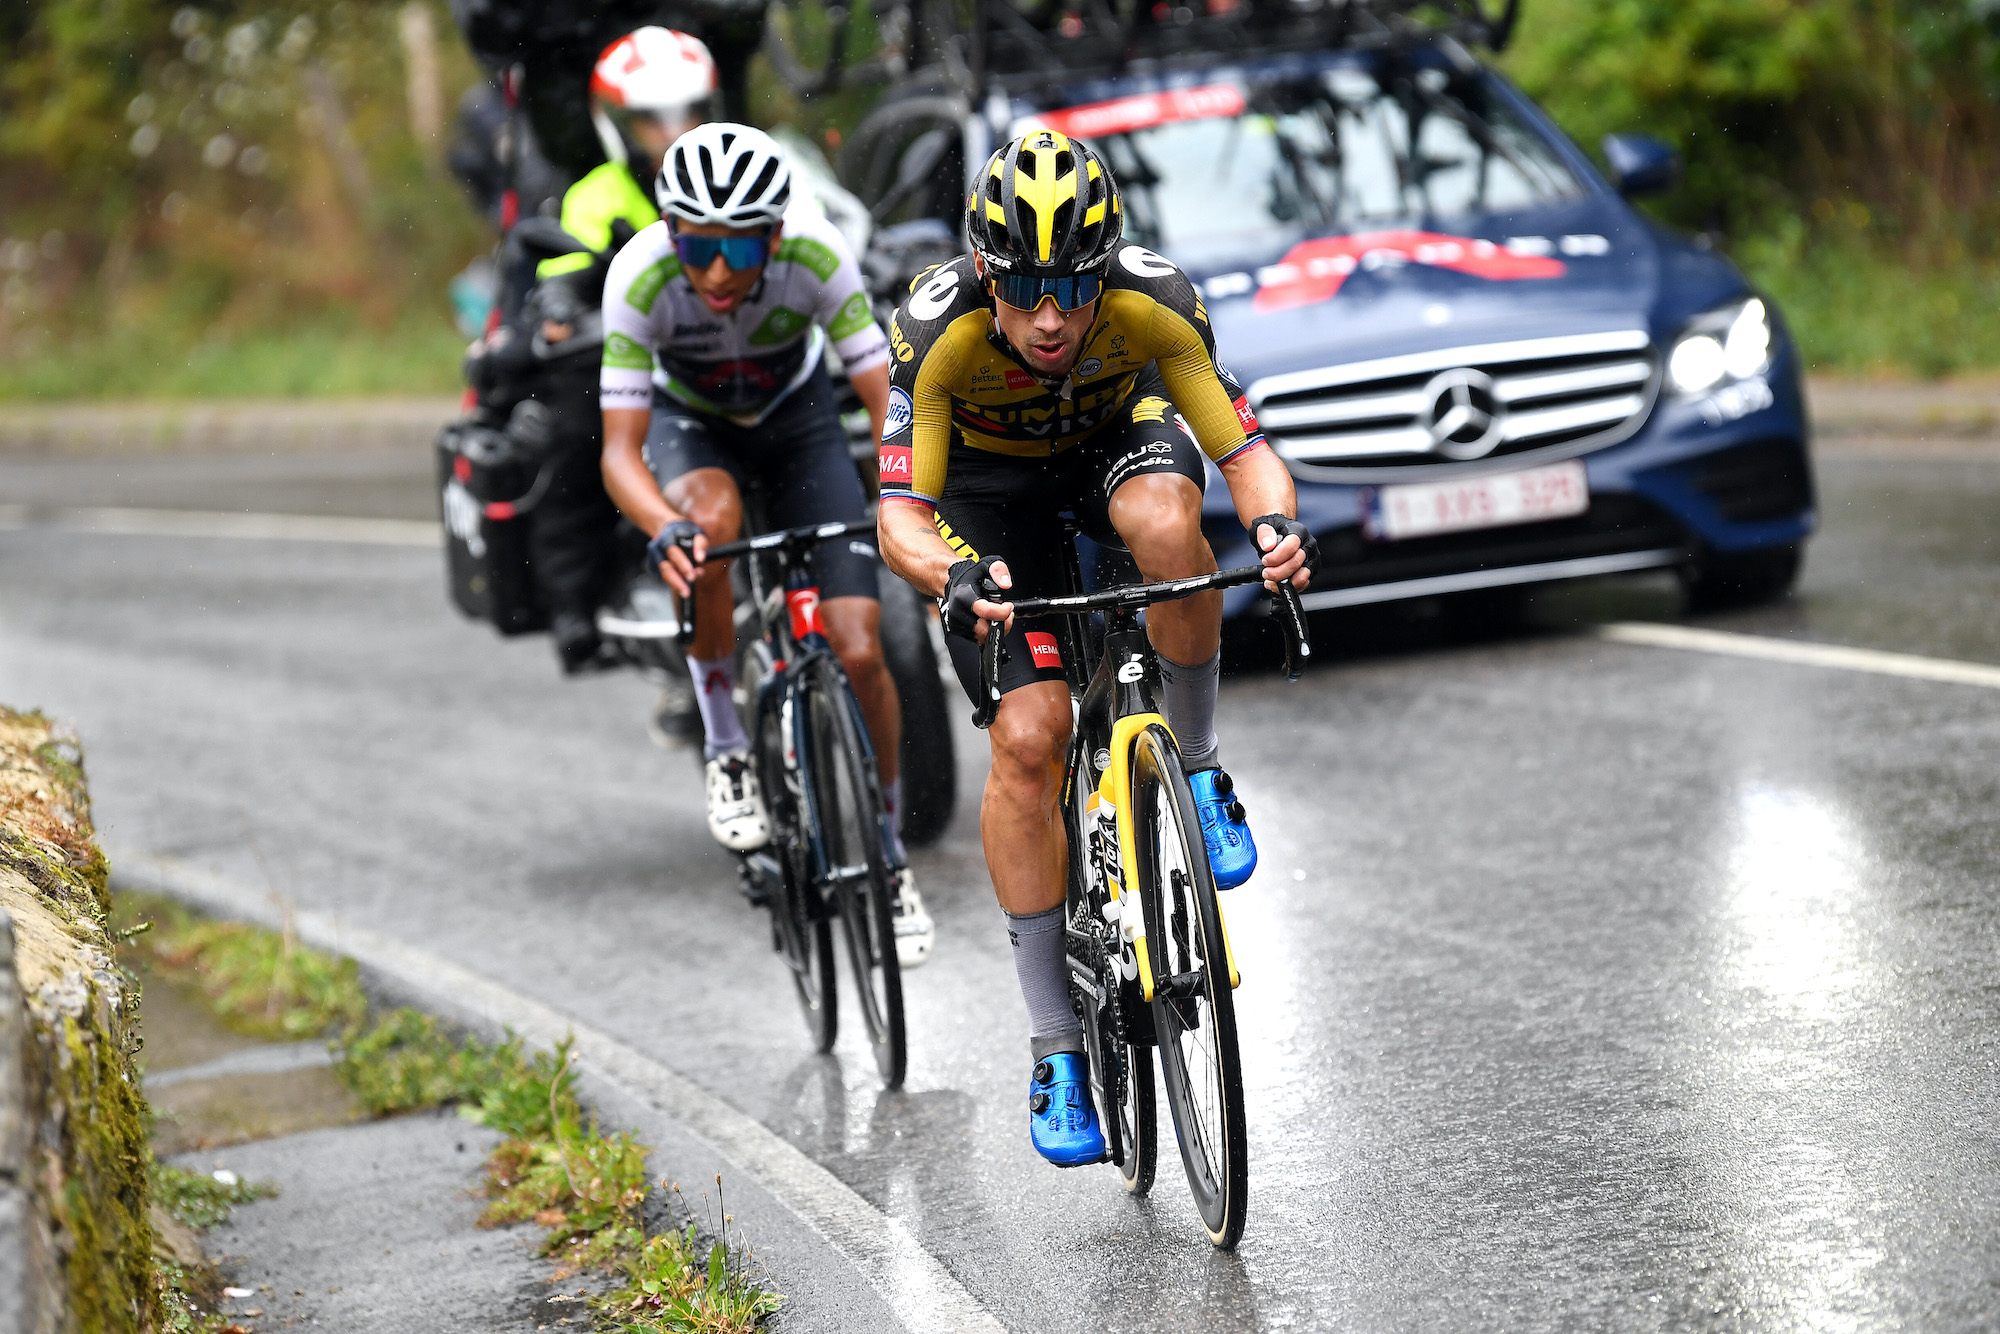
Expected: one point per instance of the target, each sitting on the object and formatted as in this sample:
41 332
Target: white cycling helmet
656 73
727 175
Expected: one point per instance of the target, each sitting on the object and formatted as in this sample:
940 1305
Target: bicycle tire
803 937
847 805
1184 935
1132 1120
928 753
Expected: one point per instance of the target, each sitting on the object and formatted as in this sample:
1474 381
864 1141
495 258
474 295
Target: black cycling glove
679 533
965 583
1285 528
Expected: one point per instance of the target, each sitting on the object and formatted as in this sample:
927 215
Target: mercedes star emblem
1462 414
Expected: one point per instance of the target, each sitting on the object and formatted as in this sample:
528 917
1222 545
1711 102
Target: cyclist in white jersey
716 321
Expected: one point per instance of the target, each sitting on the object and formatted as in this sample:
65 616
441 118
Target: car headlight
1731 342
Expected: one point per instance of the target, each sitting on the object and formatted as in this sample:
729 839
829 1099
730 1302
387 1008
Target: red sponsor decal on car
893 462
1020 380
1246 416
1313 271
1042 648
1125 114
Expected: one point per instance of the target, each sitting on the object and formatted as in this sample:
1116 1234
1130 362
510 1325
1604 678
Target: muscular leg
1019 823
854 626
1159 516
1028 855
709 497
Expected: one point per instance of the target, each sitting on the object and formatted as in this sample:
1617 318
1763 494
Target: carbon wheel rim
849 825
1197 1032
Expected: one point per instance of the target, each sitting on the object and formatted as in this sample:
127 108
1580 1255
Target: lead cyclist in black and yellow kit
1058 368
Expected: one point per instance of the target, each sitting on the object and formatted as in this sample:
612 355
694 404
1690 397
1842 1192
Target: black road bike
828 857
1149 958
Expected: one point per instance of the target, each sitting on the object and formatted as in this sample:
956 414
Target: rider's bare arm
871 386
1259 484
635 492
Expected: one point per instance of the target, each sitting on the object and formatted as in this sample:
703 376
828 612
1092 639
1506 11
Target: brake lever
1291 615
989 677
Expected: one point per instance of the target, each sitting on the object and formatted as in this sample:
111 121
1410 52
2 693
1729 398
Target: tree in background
191 177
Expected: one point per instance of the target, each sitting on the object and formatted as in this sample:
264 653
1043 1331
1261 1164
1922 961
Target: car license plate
1422 509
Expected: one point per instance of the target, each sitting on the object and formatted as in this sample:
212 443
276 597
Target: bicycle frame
796 639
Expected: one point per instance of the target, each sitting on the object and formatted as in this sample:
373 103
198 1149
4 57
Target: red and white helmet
654 74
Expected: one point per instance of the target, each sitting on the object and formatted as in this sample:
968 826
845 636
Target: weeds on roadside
408 1062
260 983
200 1199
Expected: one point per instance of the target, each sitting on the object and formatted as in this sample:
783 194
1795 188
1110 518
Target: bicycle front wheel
847 807
1194 1012
799 928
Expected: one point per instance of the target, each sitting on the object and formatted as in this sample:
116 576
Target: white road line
909 1279
1654 635
220 523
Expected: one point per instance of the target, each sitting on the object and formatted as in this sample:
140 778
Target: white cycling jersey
742 364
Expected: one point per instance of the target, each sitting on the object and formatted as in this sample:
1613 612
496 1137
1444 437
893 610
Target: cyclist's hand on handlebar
678 549
1290 551
972 593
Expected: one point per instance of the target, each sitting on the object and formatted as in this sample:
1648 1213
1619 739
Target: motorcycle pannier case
486 493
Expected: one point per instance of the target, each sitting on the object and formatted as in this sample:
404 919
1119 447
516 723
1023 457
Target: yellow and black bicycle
1149 957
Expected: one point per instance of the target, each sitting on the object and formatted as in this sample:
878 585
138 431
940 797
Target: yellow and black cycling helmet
1045 207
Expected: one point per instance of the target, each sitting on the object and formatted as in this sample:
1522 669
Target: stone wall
75 1240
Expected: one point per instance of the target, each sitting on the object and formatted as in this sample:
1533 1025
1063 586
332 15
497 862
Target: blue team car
1483 366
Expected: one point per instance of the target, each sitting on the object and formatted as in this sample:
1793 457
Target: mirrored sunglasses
1023 292
738 252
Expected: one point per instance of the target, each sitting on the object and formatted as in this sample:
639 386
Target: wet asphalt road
1586 985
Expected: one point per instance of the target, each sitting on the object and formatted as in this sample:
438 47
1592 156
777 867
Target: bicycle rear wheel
800 931
1194 1012
847 805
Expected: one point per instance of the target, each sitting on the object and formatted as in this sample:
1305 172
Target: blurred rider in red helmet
648 88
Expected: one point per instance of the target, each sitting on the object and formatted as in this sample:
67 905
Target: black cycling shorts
1000 505
796 460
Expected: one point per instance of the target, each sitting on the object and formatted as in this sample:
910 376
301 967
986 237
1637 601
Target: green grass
313 362
259 983
200 1199
1857 307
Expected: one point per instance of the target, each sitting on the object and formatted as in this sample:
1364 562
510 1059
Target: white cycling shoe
735 804
915 933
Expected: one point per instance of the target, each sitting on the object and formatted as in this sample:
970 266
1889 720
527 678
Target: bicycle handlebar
789 539
1290 613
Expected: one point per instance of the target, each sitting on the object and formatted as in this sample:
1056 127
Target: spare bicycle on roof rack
1485 369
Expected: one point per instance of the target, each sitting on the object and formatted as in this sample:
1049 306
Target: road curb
912 1286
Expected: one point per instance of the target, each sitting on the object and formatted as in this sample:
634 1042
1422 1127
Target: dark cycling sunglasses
738 252
1027 293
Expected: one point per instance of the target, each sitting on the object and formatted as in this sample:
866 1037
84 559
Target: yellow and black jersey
952 376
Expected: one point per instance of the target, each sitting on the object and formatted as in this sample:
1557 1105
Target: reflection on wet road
1587 984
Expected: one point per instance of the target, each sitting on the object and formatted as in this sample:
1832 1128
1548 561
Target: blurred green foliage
1845 152
233 196
183 179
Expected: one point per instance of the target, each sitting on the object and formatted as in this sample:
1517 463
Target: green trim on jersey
808 253
645 288
780 324
854 316
604 195
627 354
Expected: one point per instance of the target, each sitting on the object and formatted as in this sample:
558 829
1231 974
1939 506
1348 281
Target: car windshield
1348 150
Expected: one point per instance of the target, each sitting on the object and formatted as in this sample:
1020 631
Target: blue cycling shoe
1232 853
1061 1120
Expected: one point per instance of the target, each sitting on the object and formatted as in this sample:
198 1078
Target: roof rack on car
969 46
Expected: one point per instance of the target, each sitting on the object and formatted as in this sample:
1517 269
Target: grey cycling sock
892 801
1191 707
1040 963
714 693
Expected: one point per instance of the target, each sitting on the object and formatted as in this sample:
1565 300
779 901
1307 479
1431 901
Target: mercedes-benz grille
1457 405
